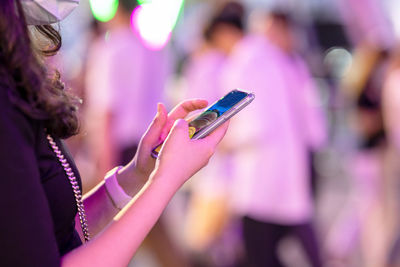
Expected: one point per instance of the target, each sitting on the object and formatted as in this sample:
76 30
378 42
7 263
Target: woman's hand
143 164
181 157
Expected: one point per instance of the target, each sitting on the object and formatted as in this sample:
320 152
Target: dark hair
128 5
31 87
231 13
282 17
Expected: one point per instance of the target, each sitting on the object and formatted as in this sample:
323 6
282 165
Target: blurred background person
209 234
361 235
282 31
367 160
359 225
124 80
270 147
391 109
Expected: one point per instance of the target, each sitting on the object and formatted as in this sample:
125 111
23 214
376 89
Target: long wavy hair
33 88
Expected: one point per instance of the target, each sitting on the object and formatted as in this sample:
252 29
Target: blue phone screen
215 111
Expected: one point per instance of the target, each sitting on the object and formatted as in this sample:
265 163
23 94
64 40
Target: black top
36 199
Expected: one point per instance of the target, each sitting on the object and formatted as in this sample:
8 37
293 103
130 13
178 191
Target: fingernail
158 109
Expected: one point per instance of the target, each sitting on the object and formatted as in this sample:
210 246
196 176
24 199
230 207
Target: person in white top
206 227
125 80
270 141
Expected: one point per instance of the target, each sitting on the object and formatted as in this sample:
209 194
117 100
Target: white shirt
272 135
202 74
126 79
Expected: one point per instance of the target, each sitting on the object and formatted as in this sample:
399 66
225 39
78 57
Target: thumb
180 128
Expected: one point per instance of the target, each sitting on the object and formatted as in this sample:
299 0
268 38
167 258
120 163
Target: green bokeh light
103 10
141 2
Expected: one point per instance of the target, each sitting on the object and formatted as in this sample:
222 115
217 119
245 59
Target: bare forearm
116 245
99 208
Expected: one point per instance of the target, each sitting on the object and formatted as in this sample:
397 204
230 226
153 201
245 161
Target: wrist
116 193
170 177
131 179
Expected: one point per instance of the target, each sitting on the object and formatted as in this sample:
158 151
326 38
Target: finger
185 107
180 128
181 111
152 136
177 136
214 138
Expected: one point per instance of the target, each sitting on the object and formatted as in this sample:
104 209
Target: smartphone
216 114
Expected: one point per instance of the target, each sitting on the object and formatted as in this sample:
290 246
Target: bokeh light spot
155 21
103 10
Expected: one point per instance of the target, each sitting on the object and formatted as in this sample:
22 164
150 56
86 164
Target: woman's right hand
181 157
158 131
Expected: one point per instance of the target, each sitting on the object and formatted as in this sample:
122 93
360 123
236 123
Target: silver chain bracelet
75 187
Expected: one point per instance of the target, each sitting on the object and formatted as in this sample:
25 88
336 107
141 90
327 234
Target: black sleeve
26 228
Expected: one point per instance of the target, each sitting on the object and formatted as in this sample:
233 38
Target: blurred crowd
308 174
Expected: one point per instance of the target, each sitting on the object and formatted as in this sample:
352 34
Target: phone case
203 132
226 116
